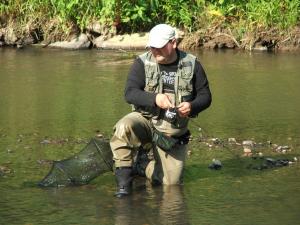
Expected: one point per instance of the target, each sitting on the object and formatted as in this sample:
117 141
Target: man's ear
174 42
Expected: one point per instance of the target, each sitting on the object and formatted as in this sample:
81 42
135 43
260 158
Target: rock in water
215 165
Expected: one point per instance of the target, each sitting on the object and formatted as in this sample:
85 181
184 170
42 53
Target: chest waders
183 92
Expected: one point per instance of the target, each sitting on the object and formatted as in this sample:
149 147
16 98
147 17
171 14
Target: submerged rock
44 162
99 135
232 140
247 151
216 141
215 165
269 163
282 149
4 170
45 141
248 143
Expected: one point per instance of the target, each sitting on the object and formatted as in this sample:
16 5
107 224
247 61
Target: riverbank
98 36
247 25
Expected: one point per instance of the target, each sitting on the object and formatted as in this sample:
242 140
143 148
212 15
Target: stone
247 150
127 41
216 164
80 42
215 141
282 149
248 143
4 170
99 135
20 46
232 140
295 159
259 46
45 142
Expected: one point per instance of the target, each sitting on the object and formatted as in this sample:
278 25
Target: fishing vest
183 85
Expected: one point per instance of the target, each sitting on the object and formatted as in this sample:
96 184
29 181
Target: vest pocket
187 73
152 82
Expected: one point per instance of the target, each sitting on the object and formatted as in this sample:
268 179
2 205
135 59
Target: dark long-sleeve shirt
135 94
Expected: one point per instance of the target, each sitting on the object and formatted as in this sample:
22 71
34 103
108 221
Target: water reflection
153 205
173 209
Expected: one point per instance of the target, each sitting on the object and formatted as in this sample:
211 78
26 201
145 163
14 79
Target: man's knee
124 126
135 126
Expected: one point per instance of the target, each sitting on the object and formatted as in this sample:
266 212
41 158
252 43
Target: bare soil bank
97 36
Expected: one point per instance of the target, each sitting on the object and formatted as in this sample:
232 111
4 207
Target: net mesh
94 159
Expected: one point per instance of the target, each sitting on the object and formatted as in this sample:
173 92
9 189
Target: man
166 87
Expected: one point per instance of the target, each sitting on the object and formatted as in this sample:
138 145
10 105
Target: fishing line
206 136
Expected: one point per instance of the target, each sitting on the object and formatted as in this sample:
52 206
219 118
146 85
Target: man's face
166 54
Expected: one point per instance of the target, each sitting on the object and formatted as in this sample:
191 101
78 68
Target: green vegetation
239 16
140 14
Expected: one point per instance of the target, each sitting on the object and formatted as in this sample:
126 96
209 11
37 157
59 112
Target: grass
64 16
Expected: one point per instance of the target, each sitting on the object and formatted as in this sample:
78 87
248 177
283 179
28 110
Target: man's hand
184 109
163 101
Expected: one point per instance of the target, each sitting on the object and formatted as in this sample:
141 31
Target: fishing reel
171 115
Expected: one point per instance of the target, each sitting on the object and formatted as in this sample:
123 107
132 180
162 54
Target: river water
69 96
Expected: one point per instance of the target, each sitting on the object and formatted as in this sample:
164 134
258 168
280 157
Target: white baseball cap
160 35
